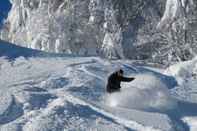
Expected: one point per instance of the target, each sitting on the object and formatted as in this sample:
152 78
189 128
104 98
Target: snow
192 121
112 45
66 93
183 70
149 90
174 10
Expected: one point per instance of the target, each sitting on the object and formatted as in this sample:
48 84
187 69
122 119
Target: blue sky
4 8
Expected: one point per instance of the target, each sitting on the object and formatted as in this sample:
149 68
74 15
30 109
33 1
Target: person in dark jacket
114 80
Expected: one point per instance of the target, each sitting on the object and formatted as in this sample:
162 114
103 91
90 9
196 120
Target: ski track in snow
127 123
68 93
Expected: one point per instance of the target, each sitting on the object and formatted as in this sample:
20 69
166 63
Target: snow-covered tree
176 41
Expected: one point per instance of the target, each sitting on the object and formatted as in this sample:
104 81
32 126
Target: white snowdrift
192 122
182 71
146 92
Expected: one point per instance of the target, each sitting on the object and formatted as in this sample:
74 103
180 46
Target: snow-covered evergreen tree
156 30
178 32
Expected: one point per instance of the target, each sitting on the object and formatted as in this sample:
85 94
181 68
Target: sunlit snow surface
147 92
44 92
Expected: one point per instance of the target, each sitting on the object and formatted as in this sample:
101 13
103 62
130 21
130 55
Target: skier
114 80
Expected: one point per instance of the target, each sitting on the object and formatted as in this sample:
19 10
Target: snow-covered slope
68 93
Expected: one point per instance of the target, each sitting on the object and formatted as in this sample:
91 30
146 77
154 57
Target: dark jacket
114 81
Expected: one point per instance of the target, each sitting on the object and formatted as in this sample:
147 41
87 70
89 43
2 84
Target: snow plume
146 92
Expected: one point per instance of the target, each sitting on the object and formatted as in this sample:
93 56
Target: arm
126 79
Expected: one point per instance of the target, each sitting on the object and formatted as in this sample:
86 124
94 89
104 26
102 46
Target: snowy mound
183 71
146 92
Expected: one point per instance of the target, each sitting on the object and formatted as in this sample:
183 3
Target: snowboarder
114 80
